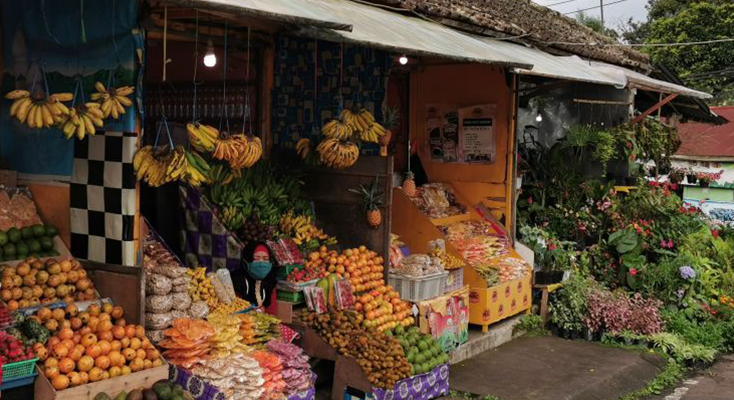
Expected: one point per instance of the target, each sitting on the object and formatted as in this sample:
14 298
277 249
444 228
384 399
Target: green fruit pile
161 390
422 351
30 241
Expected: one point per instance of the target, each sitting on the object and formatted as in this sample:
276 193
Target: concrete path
715 383
550 368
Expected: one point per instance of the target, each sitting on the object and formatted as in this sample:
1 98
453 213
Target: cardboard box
446 318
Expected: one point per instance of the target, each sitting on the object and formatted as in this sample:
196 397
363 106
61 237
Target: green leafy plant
568 305
531 324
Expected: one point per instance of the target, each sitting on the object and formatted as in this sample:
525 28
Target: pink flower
715 233
633 271
530 200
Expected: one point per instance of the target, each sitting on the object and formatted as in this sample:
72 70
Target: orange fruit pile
93 345
32 282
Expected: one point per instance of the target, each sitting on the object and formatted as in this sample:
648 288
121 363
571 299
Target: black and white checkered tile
103 199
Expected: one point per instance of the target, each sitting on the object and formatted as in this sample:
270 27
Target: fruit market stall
499 280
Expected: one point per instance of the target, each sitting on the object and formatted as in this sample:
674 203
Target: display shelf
416 230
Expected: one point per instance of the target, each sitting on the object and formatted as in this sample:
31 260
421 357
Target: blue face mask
259 269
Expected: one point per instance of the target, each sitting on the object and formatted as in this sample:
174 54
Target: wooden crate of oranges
90 347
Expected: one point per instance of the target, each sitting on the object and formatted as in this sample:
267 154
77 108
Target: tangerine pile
363 267
33 282
93 345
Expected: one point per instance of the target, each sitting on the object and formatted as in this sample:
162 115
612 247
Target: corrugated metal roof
644 82
559 67
288 11
408 34
370 25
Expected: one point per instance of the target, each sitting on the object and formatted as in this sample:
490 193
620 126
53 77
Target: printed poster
477 144
442 129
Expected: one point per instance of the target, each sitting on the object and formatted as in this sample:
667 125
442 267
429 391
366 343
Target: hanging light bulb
210 59
539 118
403 59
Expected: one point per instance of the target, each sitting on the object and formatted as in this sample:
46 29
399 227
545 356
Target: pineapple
392 118
409 185
372 200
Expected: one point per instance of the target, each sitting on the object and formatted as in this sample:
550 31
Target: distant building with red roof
707 141
709 149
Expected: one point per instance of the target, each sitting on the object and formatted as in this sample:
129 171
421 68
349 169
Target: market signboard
461 135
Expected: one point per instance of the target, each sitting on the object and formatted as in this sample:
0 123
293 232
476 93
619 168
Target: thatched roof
538 25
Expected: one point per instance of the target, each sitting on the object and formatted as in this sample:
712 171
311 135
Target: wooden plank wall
339 211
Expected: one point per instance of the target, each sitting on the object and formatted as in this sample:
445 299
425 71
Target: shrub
615 312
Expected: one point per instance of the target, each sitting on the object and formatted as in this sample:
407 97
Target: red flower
715 233
633 271
530 200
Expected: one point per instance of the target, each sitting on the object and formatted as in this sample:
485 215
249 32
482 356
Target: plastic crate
283 272
295 286
290 297
418 289
19 369
454 280
18 382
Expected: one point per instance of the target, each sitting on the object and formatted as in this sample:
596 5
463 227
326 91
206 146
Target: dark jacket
244 284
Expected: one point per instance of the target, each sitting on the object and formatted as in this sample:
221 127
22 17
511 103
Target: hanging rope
341 78
316 88
45 22
223 116
165 42
196 65
81 20
246 110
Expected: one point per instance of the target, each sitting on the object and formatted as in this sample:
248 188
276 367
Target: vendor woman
255 279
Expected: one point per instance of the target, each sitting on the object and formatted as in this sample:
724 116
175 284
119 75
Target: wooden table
545 290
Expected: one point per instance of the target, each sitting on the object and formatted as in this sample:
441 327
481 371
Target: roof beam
655 107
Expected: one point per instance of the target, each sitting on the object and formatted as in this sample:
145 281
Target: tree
595 24
705 67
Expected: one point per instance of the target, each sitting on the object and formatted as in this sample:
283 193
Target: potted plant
676 175
553 256
704 179
691 176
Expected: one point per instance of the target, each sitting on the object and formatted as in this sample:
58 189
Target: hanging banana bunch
197 170
202 137
239 150
337 154
38 110
82 120
112 100
160 166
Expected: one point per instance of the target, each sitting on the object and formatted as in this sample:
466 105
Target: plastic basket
18 382
418 289
290 297
283 272
454 280
20 369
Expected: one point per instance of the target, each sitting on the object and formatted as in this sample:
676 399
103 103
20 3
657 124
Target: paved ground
550 368
715 383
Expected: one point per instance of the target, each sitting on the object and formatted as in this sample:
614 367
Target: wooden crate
492 304
124 285
113 386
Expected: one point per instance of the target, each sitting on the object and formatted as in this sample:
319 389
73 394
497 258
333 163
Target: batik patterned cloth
205 240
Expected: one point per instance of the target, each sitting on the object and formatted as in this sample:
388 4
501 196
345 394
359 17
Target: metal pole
601 7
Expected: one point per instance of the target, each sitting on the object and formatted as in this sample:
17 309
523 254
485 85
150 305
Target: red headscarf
261 248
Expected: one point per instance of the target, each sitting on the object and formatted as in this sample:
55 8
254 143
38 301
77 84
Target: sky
614 14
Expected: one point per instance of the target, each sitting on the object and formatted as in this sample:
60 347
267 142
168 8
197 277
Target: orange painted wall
52 202
466 85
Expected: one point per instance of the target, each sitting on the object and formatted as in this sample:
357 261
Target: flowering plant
708 177
615 312
686 272
551 254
